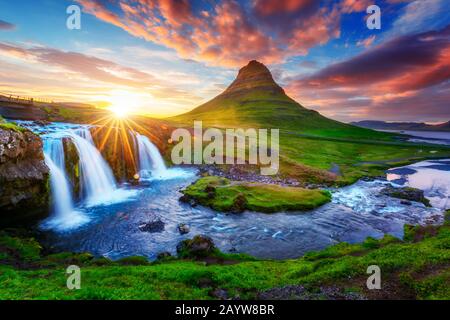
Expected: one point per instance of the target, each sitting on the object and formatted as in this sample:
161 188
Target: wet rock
41 122
406 202
406 193
189 200
152 226
199 246
183 228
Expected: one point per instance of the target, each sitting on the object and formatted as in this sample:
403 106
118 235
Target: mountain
412 126
254 99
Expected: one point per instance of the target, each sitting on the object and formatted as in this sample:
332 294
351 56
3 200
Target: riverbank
415 268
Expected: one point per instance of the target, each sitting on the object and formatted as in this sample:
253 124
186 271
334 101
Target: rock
199 246
406 193
406 202
163 255
152 226
41 122
219 294
24 177
189 200
239 204
183 228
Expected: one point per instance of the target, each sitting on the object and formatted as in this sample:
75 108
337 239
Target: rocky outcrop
254 75
24 177
406 193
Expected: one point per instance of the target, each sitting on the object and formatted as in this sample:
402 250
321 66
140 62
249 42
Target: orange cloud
227 33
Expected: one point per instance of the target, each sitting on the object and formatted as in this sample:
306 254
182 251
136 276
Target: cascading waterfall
97 180
151 163
64 214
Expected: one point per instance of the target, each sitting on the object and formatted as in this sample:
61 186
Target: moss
12 126
230 196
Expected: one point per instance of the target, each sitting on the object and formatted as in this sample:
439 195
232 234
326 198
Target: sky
165 57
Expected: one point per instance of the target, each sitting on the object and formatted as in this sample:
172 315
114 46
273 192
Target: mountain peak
254 76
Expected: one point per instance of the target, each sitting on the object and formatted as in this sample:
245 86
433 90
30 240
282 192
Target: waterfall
64 214
96 177
151 163
62 196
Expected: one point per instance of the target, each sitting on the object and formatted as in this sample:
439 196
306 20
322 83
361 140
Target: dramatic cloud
226 33
6 25
392 73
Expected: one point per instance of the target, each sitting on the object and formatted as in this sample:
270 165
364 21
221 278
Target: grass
11 126
411 269
222 194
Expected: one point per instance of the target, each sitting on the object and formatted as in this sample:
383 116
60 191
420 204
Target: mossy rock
197 247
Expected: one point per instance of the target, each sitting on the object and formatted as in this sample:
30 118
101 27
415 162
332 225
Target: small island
224 195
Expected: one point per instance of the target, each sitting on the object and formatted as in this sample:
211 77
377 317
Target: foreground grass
417 268
222 194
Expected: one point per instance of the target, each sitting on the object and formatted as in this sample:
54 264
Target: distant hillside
254 99
412 126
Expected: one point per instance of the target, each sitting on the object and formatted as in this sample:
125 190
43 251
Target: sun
119 111
122 102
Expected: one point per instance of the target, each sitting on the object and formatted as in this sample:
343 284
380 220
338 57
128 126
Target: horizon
165 58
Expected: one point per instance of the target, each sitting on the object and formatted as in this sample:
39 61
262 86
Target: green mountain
313 148
254 99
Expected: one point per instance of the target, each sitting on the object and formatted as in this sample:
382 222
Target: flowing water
111 228
151 163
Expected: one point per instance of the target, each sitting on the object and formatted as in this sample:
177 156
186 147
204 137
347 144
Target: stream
106 221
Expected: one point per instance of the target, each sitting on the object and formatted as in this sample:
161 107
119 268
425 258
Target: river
112 228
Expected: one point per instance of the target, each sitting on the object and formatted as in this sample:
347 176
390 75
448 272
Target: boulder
183 228
24 177
406 193
199 246
152 226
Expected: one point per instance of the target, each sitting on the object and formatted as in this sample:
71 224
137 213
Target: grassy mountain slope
255 100
307 139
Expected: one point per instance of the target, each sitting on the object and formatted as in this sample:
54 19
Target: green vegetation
224 195
11 126
417 268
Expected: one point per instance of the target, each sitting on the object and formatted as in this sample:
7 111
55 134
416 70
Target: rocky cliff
24 189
